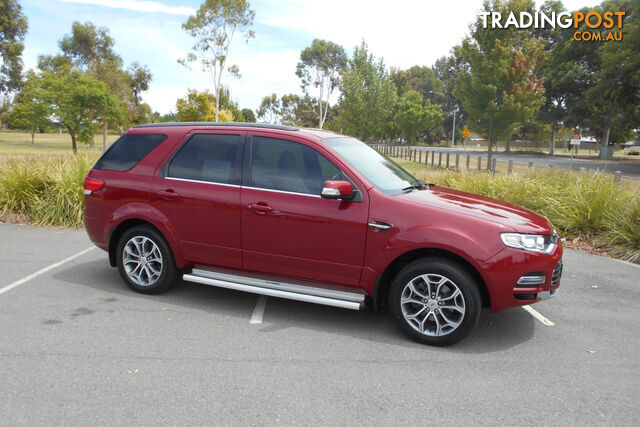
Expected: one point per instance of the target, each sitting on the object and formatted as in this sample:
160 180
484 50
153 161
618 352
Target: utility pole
453 130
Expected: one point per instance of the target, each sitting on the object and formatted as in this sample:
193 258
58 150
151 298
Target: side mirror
337 190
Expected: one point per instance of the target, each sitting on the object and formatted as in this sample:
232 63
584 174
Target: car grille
557 273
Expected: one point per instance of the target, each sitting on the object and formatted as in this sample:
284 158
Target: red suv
314 216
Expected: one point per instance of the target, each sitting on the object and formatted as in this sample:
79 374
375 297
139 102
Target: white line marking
44 270
258 311
537 315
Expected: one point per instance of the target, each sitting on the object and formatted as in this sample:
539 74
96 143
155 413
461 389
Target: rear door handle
168 194
260 207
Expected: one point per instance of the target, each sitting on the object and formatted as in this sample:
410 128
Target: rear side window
127 151
210 158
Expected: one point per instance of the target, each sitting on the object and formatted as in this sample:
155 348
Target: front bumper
516 277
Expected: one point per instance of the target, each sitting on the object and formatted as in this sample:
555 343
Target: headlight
530 242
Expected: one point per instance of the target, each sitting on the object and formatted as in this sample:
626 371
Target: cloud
138 5
407 33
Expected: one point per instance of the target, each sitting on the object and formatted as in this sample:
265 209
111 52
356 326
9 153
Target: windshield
383 173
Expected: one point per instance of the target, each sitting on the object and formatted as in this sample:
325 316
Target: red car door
198 191
287 228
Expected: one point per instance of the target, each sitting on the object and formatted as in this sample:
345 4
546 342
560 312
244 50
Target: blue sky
403 32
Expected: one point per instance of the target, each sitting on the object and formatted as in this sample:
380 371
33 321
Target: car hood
495 211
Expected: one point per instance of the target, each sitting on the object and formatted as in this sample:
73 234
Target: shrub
45 190
20 182
623 230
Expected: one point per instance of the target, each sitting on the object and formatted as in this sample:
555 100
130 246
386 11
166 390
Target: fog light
531 281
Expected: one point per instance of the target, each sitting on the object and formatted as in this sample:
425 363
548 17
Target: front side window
127 151
278 164
210 158
378 169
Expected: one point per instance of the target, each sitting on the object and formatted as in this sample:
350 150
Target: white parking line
537 315
258 311
44 270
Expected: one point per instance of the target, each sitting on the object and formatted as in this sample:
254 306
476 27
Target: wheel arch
383 281
127 224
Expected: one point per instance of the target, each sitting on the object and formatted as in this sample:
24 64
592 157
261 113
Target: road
78 348
628 167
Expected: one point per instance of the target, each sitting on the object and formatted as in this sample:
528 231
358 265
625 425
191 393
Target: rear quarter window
128 150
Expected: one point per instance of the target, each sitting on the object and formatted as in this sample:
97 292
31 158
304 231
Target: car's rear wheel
435 301
145 261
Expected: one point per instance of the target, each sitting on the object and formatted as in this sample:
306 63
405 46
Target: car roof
313 132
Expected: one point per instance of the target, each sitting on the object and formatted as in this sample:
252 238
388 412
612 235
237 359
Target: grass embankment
585 204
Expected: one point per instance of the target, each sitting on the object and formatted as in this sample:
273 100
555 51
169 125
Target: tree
447 70
87 46
200 107
501 85
79 102
612 98
299 110
621 74
248 115
227 103
139 78
559 83
214 26
367 96
30 112
420 79
413 117
90 50
270 110
13 28
320 66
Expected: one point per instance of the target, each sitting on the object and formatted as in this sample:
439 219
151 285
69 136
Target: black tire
160 276
431 312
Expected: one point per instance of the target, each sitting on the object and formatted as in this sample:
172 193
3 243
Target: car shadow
494 332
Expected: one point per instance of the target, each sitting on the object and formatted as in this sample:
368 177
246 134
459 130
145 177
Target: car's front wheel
145 261
435 301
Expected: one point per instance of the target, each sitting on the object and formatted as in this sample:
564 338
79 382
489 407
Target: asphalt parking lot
77 347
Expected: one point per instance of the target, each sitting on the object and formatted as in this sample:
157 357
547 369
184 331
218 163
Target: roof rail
250 125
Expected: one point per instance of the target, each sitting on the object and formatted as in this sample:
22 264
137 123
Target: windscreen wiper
420 186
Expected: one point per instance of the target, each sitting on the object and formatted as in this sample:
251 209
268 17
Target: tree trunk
552 145
33 137
507 145
604 144
74 146
92 143
105 129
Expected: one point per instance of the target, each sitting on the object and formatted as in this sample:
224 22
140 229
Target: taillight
92 184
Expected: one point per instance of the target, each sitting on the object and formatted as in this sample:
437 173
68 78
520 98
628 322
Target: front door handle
260 208
168 194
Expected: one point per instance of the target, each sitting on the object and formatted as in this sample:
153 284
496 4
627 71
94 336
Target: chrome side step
298 292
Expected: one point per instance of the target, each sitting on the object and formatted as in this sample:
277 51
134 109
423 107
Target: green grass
19 143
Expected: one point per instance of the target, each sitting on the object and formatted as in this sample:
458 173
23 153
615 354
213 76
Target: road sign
575 140
466 133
